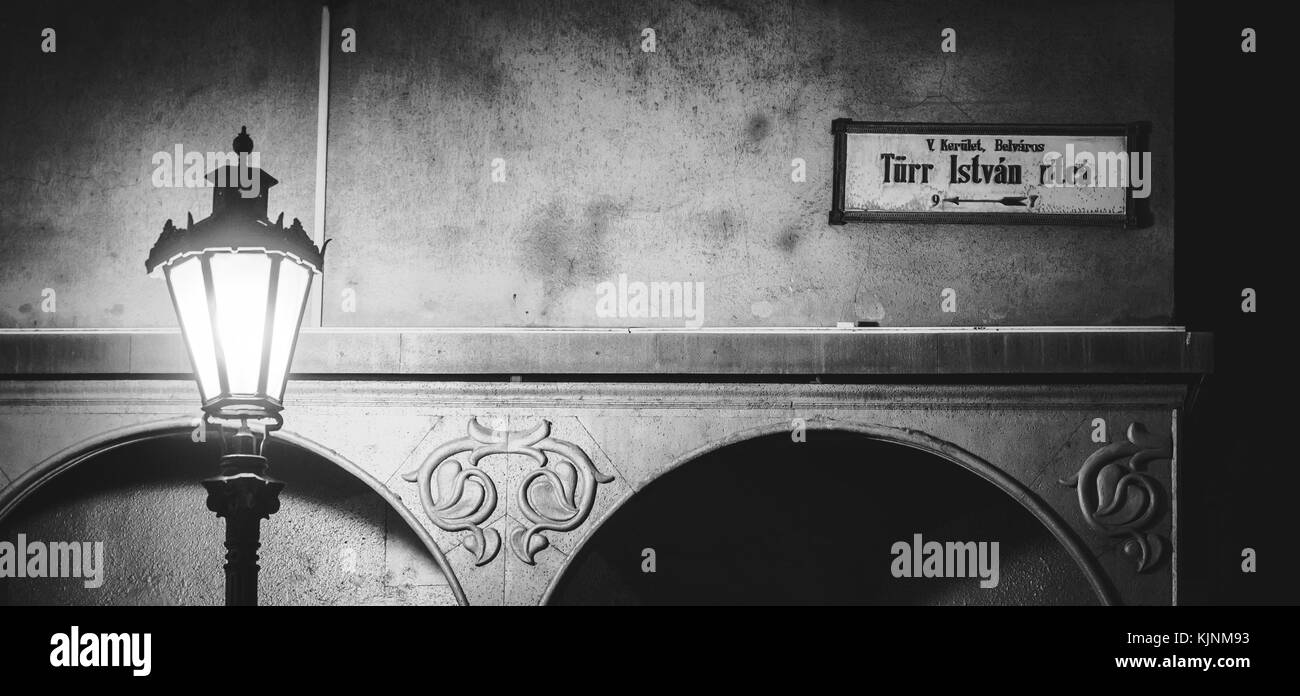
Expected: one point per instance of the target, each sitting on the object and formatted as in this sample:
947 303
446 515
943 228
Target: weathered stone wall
673 165
618 438
334 540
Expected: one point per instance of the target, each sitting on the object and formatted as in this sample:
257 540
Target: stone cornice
645 353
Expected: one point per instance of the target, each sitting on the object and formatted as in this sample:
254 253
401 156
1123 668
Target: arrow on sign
1005 200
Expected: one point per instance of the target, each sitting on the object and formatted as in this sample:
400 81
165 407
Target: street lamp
239 284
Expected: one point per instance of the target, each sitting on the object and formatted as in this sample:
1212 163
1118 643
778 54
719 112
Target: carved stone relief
556 496
1118 499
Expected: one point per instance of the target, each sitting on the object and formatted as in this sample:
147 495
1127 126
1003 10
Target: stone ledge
646 352
164 396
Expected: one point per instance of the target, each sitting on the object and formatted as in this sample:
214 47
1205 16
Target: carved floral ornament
458 496
1120 500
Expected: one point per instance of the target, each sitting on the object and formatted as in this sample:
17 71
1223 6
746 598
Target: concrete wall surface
542 466
334 540
672 165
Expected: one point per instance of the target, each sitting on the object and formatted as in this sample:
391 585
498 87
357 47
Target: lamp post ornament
239 284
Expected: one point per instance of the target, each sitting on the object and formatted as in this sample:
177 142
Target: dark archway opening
334 540
772 521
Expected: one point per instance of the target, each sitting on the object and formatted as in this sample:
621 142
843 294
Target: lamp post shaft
243 494
242 542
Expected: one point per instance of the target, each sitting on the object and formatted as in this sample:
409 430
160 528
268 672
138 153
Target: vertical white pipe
322 139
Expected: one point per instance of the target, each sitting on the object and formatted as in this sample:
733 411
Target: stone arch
915 439
91 447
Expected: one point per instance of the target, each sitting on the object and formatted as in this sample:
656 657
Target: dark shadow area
1233 468
334 540
773 521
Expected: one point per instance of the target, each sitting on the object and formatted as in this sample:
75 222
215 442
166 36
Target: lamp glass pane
240 282
293 285
191 298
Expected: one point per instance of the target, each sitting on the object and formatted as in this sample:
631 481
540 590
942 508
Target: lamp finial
243 141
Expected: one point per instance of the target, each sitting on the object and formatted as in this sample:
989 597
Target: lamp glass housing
240 310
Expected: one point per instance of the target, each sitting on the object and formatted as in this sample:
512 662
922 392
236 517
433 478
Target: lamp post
239 284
